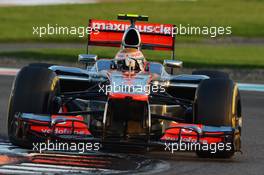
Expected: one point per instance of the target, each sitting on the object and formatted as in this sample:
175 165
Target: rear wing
110 33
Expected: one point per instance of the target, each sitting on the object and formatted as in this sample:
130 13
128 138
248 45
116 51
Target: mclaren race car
126 100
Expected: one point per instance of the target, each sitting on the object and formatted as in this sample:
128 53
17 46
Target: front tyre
218 104
34 91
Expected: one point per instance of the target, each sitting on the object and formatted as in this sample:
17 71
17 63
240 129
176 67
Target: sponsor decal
101 25
62 131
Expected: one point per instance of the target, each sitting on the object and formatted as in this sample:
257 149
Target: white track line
12 171
58 166
47 168
251 87
8 71
39 169
46 2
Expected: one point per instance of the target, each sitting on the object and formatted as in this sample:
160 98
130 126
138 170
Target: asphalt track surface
250 162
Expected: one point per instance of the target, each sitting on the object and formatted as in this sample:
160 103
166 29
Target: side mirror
173 63
87 59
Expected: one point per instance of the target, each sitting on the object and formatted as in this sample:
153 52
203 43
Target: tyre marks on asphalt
22 161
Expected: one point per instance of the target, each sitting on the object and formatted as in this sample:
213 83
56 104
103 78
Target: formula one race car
126 100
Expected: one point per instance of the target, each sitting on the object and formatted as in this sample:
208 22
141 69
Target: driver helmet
130 59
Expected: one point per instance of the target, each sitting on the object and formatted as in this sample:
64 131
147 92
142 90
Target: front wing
75 129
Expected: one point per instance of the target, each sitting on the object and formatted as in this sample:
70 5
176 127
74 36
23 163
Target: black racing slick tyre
212 74
218 104
34 90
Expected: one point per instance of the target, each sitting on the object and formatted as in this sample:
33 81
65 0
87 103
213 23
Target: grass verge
245 17
193 55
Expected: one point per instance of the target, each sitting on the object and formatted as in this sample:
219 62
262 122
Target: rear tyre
218 104
33 91
211 74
